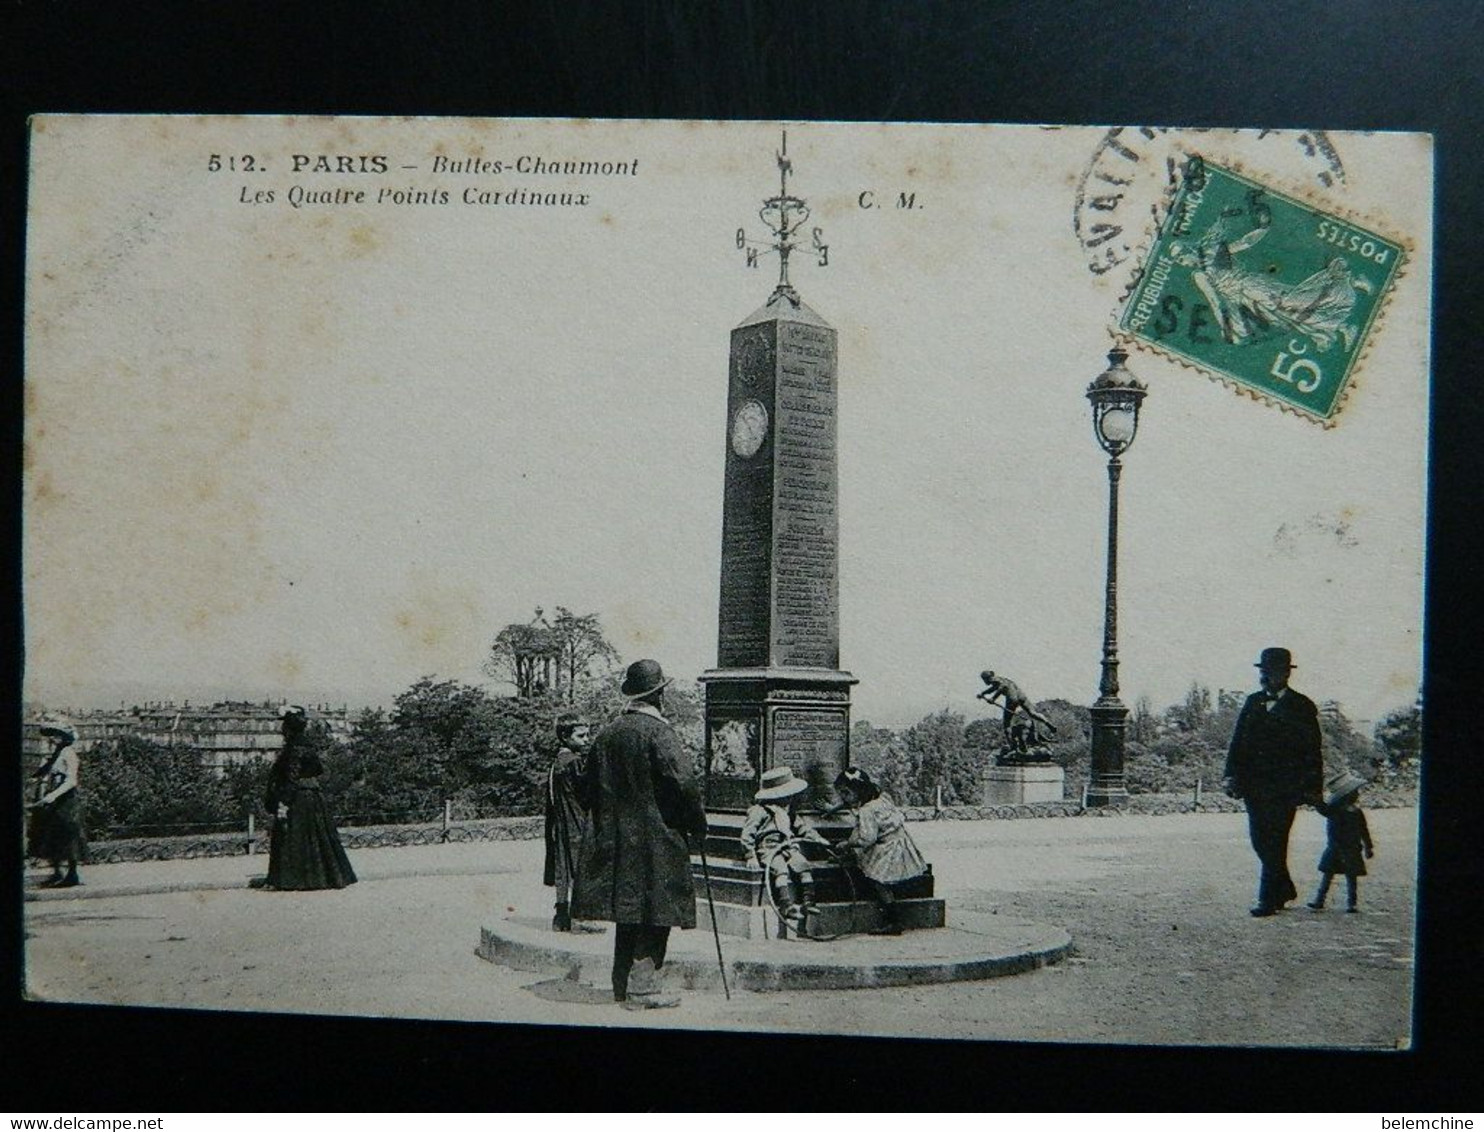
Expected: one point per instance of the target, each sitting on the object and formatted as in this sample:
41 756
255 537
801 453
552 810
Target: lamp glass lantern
1116 396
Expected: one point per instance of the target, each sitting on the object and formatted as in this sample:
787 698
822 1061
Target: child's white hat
779 783
1342 785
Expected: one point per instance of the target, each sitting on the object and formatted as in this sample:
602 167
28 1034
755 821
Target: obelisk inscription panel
813 741
805 622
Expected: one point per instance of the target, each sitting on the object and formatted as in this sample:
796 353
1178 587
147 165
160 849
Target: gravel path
1164 950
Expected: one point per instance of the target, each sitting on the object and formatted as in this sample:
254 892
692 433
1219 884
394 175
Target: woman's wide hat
1341 786
643 677
778 784
61 728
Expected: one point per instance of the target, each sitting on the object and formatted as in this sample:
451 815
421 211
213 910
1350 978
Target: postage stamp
1263 290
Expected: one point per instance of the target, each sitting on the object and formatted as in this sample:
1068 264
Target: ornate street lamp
1116 396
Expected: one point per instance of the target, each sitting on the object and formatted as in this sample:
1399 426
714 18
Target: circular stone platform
973 946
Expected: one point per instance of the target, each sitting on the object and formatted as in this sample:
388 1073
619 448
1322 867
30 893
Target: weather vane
783 215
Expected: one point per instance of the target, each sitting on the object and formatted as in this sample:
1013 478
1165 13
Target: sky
319 452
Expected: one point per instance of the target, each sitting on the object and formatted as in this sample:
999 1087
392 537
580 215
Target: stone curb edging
529 949
166 888
82 892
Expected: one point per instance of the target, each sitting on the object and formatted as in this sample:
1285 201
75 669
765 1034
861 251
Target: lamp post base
1106 784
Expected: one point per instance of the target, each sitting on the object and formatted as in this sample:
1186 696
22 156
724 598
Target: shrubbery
440 741
152 789
447 741
1166 753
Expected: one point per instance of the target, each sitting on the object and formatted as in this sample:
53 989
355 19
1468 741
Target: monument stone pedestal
760 718
1019 784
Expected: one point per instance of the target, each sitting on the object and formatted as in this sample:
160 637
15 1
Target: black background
1362 65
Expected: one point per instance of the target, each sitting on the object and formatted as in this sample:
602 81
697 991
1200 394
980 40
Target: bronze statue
1019 718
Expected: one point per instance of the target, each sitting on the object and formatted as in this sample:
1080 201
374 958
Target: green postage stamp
1259 288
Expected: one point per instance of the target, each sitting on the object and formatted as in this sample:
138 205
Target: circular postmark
1133 171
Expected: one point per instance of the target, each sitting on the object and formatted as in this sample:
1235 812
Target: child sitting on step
884 850
770 837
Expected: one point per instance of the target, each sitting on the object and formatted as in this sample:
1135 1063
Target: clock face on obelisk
749 428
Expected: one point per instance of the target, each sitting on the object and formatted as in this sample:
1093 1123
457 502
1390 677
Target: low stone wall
353 837
532 827
1144 804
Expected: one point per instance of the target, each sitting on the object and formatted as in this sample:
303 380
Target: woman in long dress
56 815
305 850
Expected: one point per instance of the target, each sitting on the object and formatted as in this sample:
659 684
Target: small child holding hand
1349 839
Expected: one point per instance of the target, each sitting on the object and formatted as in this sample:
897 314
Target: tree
1192 713
1071 745
1141 726
940 761
579 645
1345 748
879 752
1399 736
136 787
443 740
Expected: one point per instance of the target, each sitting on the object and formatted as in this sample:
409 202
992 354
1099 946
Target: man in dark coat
566 818
1275 765
634 869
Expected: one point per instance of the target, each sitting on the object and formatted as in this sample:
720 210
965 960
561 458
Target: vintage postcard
946 581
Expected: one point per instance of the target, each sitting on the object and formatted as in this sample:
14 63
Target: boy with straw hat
771 835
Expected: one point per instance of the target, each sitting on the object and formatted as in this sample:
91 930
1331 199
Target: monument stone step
724 833
830 919
735 883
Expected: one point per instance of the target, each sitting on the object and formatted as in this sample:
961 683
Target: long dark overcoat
566 820
642 800
1275 753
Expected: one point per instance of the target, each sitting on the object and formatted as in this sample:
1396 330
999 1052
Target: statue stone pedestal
1028 782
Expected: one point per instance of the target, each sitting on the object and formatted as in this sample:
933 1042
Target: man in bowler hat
1275 765
634 868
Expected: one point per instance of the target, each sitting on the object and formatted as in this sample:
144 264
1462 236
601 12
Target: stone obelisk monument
777 694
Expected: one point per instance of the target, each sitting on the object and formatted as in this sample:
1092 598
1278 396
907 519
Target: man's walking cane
711 907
